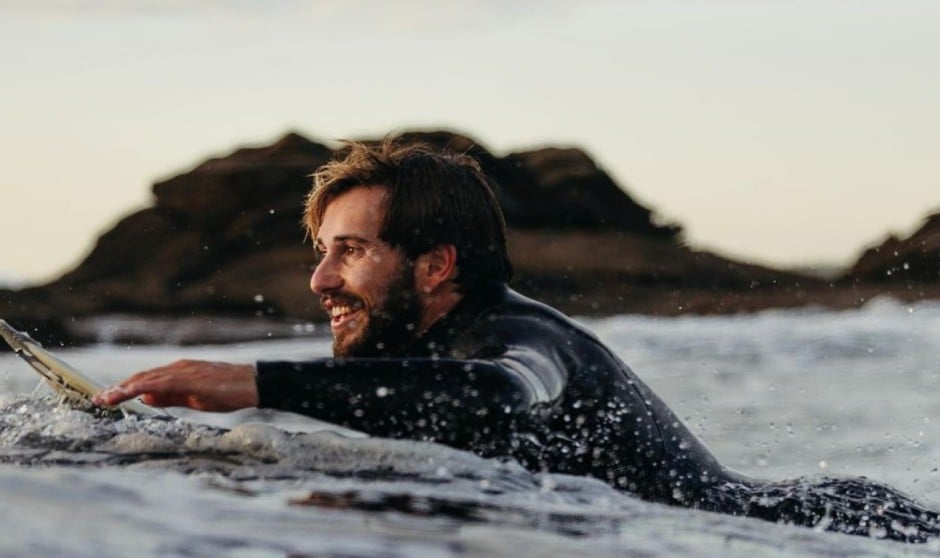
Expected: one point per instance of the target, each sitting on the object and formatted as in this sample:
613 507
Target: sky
783 133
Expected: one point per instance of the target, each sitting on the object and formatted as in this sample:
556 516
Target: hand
201 385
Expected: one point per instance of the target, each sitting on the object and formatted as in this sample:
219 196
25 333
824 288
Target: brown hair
433 198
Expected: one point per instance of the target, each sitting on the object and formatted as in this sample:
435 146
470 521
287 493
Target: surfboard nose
13 337
63 377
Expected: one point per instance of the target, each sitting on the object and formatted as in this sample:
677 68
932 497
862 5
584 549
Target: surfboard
76 388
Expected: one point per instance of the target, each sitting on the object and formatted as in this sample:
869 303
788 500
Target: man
430 344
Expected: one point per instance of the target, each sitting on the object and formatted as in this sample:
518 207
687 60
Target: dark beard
392 327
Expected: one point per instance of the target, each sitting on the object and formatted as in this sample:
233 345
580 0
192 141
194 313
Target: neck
436 306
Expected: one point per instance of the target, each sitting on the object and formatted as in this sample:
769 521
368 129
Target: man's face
365 285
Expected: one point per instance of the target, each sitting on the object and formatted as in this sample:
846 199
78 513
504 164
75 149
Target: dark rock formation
225 239
908 261
218 239
554 188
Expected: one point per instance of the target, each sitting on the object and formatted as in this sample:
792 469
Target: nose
325 277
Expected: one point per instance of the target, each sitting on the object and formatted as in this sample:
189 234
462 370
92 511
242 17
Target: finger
152 381
111 396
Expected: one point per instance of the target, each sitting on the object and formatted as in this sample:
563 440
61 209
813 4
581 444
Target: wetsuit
503 375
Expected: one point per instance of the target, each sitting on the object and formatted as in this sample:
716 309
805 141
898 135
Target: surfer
429 343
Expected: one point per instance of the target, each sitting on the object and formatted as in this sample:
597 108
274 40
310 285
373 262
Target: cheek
372 280
365 285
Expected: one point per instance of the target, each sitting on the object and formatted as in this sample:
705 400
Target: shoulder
515 311
500 321
511 320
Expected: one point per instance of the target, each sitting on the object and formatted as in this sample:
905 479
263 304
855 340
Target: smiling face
365 284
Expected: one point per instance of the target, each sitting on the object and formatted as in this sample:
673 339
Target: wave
175 487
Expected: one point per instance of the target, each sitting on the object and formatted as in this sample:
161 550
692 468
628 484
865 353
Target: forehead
357 212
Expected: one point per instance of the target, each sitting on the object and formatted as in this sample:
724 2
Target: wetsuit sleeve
464 403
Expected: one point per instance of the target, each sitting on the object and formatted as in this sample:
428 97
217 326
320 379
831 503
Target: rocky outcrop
554 188
908 261
219 238
225 239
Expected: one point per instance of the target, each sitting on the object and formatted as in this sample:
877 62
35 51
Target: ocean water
775 395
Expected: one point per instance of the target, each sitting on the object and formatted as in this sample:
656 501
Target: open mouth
344 315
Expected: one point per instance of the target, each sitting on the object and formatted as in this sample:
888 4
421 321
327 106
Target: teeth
337 311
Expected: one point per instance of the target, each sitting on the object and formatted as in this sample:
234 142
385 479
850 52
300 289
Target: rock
911 260
225 239
218 239
554 188
569 191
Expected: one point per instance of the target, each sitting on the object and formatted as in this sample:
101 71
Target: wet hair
433 197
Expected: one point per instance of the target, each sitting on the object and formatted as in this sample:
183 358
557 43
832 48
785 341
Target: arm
202 385
463 403
474 403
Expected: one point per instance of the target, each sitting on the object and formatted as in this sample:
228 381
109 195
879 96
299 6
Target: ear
435 268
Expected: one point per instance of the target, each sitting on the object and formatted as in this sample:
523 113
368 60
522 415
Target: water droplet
546 484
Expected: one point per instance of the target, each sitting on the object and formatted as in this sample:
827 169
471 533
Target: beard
390 327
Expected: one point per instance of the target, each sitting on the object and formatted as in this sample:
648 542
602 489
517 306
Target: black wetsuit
502 375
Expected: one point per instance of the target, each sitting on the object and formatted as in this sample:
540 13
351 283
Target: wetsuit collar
437 340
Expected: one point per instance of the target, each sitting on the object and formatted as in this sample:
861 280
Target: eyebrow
345 238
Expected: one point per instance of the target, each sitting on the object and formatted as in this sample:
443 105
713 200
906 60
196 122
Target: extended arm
202 385
463 403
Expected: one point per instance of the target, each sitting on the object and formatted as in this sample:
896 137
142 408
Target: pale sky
786 133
